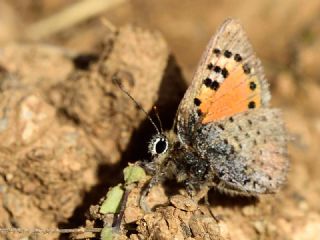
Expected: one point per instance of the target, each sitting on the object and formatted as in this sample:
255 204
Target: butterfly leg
143 204
202 193
196 192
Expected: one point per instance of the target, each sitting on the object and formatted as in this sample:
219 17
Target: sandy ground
67 131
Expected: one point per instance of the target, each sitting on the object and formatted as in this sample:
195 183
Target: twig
48 231
68 17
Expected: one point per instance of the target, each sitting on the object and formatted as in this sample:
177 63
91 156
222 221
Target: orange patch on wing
232 96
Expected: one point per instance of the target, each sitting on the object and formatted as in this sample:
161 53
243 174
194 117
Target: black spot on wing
246 68
252 85
215 85
207 82
217 51
251 105
211 84
197 101
237 57
224 72
217 69
227 54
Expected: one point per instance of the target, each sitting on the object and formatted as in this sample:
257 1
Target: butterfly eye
158 145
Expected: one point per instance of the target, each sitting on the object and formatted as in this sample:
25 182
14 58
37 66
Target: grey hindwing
246 152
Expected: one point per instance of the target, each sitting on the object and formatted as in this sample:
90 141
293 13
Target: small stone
183 203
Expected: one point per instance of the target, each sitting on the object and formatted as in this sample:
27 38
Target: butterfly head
158 145
163 147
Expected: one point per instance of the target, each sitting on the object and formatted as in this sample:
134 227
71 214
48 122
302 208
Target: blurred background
285 35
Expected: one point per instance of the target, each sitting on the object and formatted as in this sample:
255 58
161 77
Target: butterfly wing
224 116
229 80
247 152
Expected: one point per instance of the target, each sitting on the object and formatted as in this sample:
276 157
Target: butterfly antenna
158 117
116 81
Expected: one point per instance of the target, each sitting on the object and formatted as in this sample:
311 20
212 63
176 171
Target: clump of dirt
65 125
175 215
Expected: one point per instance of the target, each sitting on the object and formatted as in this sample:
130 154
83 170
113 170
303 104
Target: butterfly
225 135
